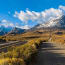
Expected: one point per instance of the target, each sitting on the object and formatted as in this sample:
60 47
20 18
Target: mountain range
10 30
53 23
16 30
57 23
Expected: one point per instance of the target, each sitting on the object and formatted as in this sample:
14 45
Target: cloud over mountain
40 17
6 23
23 27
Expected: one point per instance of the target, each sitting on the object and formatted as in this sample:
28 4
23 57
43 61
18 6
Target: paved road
51 54
11 43
4 46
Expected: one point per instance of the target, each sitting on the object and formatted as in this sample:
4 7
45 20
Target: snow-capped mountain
55 22
52 23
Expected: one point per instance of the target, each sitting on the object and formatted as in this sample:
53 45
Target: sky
28 13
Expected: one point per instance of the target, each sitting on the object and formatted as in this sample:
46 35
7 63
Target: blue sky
9 7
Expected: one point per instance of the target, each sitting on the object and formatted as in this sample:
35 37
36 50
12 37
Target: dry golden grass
58 38
25 52
26 36
34 39
12 61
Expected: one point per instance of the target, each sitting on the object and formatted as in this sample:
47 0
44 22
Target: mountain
16 30
2 32
5 30
53 23
10 30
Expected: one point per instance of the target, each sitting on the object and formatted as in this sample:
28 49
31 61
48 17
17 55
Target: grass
58 38
26 36
13 61
22 54
25 52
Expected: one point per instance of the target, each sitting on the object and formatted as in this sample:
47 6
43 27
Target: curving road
4 46
51 54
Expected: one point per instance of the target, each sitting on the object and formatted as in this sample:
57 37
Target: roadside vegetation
21 55
58 36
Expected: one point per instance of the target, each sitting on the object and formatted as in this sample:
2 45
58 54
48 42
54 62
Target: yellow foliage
25 52
11 61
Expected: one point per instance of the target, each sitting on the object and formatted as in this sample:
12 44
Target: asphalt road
51 54
4 46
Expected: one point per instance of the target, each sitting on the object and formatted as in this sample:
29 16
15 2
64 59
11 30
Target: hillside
54 23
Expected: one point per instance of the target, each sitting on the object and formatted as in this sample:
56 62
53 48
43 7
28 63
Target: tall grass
17 55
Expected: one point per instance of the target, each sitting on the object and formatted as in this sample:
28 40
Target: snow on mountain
54 22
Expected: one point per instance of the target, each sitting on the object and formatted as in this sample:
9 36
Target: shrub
13 61
24 52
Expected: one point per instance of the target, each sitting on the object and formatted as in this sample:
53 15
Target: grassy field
57 36
21 55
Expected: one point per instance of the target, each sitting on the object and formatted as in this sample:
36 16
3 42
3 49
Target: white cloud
40 17
21 15
24 27
62 7
26 16
6 23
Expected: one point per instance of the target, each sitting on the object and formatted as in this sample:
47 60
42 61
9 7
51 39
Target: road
51 54
4 46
